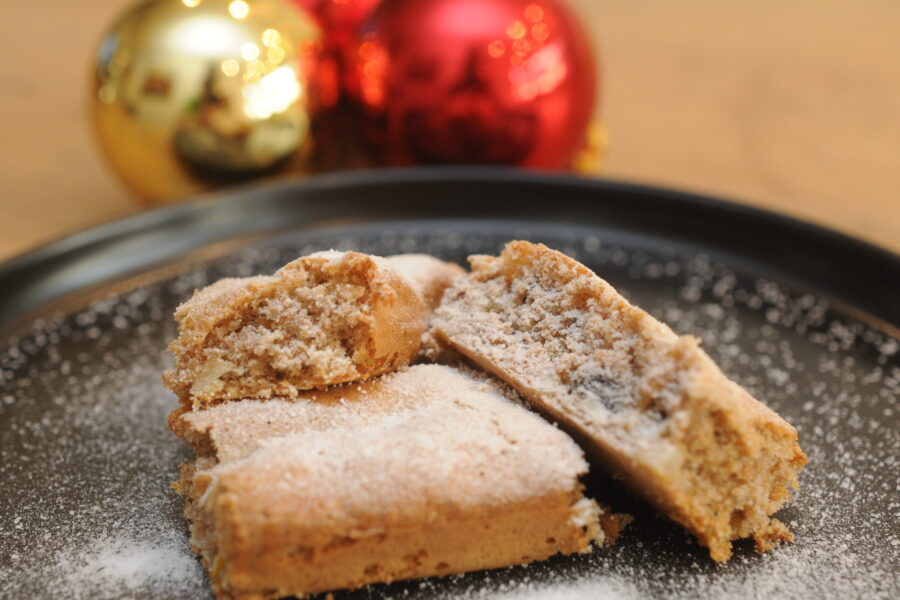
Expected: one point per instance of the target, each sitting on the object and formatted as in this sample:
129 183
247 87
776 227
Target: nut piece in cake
327 318
427 471
647 403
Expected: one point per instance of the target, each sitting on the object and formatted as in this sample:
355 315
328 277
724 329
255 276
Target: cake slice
327 318
645 402
427 471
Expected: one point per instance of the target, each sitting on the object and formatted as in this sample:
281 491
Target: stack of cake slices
359 419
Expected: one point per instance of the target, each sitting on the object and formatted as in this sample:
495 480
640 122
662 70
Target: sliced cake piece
647 403
331 317
427 471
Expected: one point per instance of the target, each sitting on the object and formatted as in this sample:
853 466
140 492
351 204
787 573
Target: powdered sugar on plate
114 566
86 459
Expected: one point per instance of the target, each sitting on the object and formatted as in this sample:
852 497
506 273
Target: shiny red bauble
508 82
339 19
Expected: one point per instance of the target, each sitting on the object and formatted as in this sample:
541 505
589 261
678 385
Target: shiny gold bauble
190 95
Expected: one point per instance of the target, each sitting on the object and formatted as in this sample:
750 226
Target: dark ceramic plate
803 317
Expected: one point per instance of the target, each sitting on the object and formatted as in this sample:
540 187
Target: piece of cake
645 402
327 318
427 471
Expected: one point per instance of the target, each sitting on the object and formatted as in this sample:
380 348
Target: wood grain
790 106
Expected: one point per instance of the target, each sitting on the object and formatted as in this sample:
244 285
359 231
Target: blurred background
790 106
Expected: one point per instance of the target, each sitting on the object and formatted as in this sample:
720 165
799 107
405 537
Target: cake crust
327 318
427 471
646 403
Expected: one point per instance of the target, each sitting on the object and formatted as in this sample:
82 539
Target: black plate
805 318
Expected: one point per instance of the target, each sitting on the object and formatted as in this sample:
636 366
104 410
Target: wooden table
791 106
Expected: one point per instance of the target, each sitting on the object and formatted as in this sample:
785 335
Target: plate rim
92 242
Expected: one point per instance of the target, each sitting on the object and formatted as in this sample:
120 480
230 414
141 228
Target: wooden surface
794 106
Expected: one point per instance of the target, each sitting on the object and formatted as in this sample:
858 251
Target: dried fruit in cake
647 403
327 318
427 471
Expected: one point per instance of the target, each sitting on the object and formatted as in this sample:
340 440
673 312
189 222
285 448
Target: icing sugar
86 459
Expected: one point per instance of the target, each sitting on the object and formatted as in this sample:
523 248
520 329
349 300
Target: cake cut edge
322 319
705 472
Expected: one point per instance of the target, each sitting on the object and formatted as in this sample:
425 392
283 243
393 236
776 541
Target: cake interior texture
331 317
646 403
426 471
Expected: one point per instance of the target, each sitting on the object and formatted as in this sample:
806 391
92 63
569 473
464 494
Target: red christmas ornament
473 81
339 19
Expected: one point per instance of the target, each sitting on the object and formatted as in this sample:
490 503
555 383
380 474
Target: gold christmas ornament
189 95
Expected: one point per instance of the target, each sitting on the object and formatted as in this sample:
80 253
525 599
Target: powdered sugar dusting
86 459
115 566
425 434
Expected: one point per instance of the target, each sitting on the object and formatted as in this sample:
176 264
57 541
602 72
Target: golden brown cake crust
427 471
327 318
645 402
